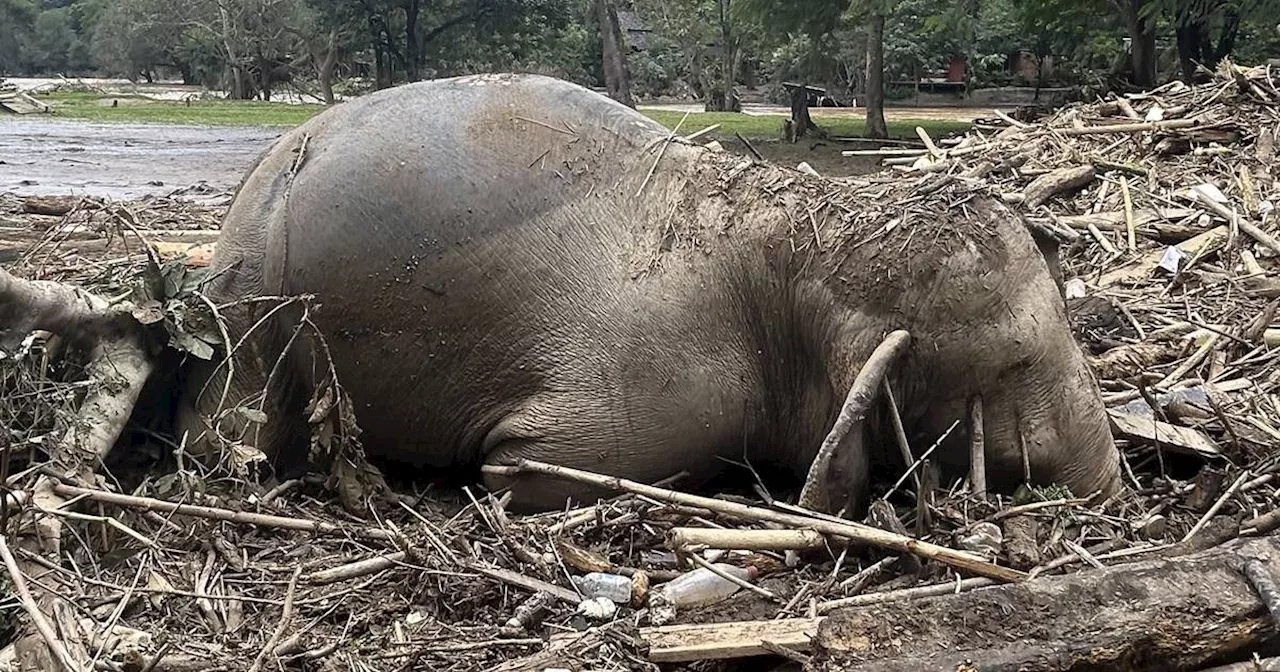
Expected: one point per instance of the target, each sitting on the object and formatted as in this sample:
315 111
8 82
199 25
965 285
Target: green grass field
770 126
136 109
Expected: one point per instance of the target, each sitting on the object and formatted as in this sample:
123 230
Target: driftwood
51 205
1059 181
752 540
1181 612
1171 437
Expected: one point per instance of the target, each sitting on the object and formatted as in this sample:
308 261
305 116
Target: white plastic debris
598 608
1156 113
1172 258
415 617
1210 191
804 167
1075 289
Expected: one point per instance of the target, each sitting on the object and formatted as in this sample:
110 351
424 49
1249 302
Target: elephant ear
1049 240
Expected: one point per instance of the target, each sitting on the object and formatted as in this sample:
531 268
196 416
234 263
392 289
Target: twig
1263 582
1130 228
662 151
1213 510
1129 128
785 652
29 605
751 540
915 465
908 593
899 432
750 147
697 559
286 615
528 583
356 569
212 513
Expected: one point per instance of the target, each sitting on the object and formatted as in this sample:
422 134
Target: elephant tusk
855 407
977 448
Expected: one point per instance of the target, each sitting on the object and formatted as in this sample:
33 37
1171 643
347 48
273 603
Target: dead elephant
515 267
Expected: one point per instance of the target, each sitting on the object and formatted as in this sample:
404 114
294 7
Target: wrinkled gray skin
492 288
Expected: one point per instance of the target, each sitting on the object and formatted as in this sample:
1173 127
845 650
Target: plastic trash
610 586
985 539
598 608
703 586
1172 258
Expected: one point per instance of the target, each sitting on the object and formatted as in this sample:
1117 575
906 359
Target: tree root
44 305
118 367
855 408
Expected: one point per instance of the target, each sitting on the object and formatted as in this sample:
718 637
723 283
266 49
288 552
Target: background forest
715 51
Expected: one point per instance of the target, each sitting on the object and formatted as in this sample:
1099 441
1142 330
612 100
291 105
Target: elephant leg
573 431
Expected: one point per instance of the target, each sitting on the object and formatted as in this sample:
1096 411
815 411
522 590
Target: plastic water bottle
703 586
599 584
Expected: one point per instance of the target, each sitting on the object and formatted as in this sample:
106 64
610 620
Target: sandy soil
119 161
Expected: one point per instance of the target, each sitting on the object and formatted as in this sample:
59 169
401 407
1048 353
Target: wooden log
1181 612
1198 246
717 641
1056 182
1128 128
196 255
747 540
1170 437
55 206
1149 222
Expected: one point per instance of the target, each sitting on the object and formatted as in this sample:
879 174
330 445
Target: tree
818 18
876 127
612 45
16 19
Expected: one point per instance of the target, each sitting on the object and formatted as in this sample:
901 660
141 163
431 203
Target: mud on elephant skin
513 266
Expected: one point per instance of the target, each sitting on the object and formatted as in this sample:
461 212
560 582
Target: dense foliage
249 48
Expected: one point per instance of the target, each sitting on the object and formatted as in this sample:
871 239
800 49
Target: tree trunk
1188 36
1226 38
1178 613
325 66
876 126
801 122
728 56
264 78
611 44
1142 55
412 50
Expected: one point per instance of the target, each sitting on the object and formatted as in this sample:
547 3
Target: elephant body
512 266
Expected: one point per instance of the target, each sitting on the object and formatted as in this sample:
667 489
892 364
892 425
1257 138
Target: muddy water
121 161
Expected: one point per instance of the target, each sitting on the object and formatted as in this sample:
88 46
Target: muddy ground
122 161
127 161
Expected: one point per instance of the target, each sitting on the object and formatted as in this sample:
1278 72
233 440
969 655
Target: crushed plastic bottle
599 584
703 586
598 608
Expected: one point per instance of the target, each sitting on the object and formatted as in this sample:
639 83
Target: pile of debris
1162 205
